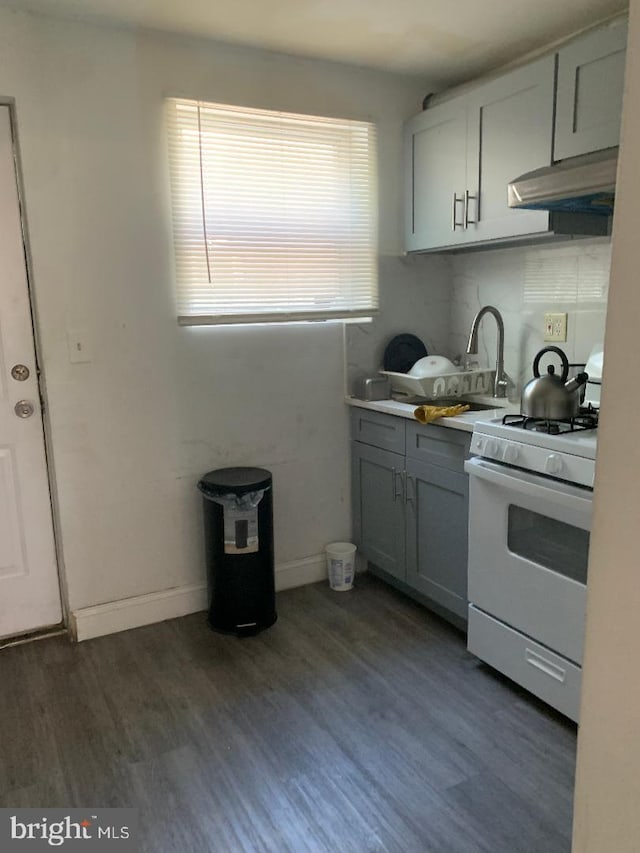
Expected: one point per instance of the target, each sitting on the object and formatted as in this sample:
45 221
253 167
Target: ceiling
442 40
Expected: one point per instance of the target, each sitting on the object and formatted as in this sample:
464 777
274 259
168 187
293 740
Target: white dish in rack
432 366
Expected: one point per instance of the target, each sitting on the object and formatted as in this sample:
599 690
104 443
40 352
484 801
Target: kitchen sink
456 401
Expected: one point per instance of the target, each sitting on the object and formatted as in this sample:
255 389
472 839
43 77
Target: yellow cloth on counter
426 414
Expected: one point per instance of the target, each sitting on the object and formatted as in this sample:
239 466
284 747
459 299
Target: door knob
23 409
20 372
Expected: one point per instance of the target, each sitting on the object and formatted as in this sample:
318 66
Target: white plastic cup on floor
341 565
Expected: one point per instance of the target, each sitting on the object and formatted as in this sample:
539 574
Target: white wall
524 283
159 405
606 814
415 300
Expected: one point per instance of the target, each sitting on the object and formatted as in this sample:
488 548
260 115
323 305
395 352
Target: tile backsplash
437 296
524 284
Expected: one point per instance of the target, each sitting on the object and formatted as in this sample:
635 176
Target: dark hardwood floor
357 723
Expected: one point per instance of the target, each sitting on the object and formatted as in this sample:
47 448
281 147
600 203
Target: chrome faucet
500 382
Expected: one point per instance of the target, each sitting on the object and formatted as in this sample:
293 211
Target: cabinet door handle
454 204
467 198
409 480
394 480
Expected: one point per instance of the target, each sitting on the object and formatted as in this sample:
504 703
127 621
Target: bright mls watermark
69 829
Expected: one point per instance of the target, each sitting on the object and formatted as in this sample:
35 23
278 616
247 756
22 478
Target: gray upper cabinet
510 130
435 154
461 154
589 92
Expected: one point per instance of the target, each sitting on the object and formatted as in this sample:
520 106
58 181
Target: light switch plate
555 326
79 346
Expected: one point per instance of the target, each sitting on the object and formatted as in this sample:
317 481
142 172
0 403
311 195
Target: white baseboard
301 572
140 610
89 622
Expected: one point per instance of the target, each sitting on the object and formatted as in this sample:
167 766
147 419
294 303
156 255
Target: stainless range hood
579 185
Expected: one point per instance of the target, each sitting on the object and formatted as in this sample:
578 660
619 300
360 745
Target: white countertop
463 422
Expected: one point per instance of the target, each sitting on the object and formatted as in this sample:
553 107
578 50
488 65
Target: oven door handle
530 485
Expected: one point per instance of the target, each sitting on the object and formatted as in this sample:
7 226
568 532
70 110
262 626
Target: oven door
528 553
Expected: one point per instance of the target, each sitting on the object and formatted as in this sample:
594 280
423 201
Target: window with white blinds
274 215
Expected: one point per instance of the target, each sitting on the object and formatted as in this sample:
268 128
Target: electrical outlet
555 327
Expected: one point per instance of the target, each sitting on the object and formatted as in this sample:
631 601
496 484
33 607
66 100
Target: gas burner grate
590 411
587 419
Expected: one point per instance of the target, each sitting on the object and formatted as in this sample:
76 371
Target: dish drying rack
445 386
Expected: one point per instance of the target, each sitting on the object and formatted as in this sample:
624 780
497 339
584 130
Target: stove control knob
510 454
554 464
492 448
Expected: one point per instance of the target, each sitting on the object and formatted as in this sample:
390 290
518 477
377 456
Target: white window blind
274 215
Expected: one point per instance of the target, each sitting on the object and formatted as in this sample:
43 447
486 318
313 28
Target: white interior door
29 588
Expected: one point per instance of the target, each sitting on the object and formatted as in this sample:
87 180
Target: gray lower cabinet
378 519
436 528
410 509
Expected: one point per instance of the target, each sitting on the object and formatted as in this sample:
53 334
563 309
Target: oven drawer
551 677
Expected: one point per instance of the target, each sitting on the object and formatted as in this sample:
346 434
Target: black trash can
238 526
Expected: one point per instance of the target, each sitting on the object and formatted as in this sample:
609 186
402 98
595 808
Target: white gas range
568 455
530 496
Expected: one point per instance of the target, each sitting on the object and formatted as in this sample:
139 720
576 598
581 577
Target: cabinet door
435 164
378 509
437 520
589 98
510 131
